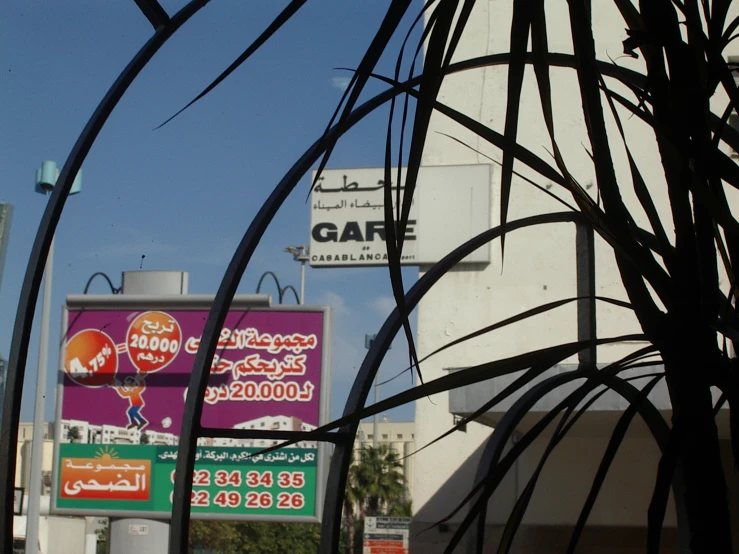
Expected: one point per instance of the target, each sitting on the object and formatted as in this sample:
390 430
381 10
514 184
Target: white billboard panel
451 204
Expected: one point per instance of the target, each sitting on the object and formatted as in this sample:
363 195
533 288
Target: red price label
90 358
200 477
257 479
197 498
287 501
228 499
153 341
258 500
295 480
228 478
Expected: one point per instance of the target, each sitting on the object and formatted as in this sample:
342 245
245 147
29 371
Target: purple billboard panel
128 370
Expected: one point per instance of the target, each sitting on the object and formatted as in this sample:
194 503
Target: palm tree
73 434
374 481
353 498
380 478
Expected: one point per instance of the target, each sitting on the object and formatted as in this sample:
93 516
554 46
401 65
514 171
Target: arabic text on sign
272 369
240 339
115 485
265 391
270 457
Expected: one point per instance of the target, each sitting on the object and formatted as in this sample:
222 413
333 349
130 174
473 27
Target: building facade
23 456
541 266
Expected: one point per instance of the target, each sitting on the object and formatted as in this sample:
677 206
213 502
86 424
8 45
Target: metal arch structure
164 28
113 288
280 290
342 456
191 429
295 293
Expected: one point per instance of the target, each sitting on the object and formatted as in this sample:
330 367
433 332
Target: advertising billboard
348 218
124 371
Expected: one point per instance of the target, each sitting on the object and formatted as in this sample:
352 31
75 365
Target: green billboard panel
230 482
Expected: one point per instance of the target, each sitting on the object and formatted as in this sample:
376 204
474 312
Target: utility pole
300 254
368 344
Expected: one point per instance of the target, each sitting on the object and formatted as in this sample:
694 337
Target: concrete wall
539 267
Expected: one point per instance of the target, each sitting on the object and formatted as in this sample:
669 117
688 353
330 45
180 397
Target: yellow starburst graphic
107 452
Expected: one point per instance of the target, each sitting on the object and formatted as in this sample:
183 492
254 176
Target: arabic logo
105 477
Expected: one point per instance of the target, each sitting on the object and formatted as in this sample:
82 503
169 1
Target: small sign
386 535
348 215
17 501
138 529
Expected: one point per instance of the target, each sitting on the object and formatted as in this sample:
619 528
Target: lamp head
47 175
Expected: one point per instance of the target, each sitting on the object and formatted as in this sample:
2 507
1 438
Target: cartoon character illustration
132 389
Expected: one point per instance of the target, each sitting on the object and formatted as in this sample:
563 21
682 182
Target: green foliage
400 509
378 478
103 536
73 434
253 537
375 486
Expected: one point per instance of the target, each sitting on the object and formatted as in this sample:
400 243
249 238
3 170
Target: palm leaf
566 423
271 29
519 39
613 445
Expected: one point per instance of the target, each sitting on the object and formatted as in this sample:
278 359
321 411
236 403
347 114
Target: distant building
268 423
112 434
23 456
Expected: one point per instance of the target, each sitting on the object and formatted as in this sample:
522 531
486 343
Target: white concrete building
161 439
23 456
268 423
112 434
540 267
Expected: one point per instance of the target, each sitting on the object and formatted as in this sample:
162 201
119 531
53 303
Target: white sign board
17 501
451 204
386 535
138 529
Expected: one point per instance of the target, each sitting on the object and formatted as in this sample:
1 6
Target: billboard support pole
37 444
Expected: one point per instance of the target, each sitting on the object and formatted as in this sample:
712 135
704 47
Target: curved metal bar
657 426
198 381
342 456
292 289
190 429
113 288
39 253
277 282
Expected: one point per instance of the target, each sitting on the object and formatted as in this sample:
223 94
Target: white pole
374 419
91 538
302 282
37 445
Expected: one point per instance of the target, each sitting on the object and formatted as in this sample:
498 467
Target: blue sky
183 195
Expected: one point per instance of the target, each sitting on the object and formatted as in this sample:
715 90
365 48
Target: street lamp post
300 254
367 344
46 177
